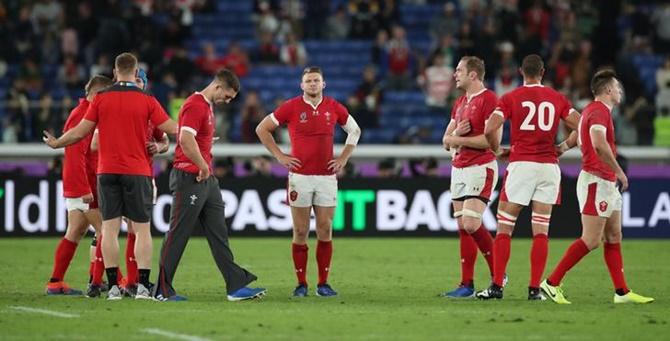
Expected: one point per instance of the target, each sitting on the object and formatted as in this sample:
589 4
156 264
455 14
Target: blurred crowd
49 48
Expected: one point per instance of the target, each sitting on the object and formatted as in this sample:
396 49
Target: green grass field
388 290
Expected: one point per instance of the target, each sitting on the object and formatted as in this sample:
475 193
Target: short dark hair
475 64
125 63
228 78
96 82
312 69
532 66
601 80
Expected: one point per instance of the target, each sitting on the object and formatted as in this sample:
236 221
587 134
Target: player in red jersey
157 143
475 170
124 174
311 119
598 193
533 174
78 192
196 196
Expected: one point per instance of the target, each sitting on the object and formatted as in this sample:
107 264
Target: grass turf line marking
185 337
44 311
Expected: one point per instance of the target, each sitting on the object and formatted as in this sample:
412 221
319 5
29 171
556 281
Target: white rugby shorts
597 196
312 190
75 204
474 181
527 181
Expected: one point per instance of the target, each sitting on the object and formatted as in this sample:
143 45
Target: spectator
292 11
261 166
316 13
265 18
47 16
398 59
437 81
268 50
642 115
661 20
386 168
508 18
252 114
293 52
466 40
209 62
338 24
363 14
378 51
369 94
445 47
181 66
71 74
237 60
663 84
102 67
505 81
582 68
538 20
224 168
446 22
389 15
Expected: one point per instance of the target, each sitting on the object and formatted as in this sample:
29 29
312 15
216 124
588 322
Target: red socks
99 265
64 253
131 263
324 253
572 256
501 250
538 259
484 242
614 262
300 262
468 257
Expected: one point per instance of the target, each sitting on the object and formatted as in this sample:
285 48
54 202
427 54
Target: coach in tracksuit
197 196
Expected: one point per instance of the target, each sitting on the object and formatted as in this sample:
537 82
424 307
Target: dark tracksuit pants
192 203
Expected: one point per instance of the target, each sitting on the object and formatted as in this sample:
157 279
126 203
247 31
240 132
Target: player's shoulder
330 101
292 102
489 96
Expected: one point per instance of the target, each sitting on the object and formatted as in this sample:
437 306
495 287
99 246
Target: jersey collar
310 104
205 97
469 98
605 104
533 85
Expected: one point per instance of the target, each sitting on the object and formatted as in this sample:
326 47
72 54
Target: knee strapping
458 214
540 219
506 218
471 213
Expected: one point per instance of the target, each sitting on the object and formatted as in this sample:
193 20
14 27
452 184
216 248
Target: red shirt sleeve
92 112
566 106
453 109
157 134
192 117
489 103
504 106
342 113
283 113
599 117
157 116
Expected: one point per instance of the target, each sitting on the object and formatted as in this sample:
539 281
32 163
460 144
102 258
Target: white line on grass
185 337
44 311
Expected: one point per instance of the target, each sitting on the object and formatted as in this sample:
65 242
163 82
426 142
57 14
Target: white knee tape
472 214
540 219
458 214
506 218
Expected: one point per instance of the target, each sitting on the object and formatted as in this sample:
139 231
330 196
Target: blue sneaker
173 298
463 291
300 290
246 293
324 290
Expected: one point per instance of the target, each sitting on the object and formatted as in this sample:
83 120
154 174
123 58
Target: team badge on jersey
603 206
303 117
293 195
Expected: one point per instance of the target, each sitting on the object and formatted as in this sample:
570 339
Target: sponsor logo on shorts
293 195
603 206
193 199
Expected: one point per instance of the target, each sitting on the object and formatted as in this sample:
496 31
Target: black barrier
366 207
